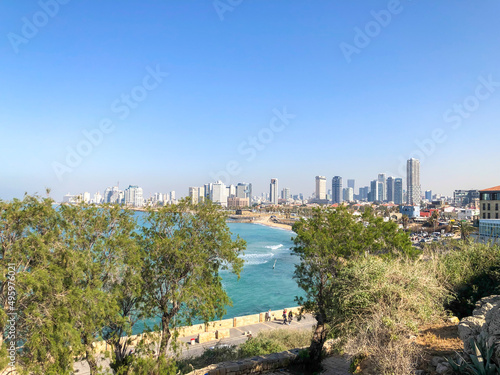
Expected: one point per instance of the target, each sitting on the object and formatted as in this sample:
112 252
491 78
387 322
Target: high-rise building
363 193
351 183
348 194
428 195
273 191
194 194
285 194
133 196
413 181
97 198
389 186
320 187
208 191
462 198
374 193
112 195
398 191
219 193
337 189
382 192
241 190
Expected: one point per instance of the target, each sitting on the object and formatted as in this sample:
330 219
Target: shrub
377 304
471 271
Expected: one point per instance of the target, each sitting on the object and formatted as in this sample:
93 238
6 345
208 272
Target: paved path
237 337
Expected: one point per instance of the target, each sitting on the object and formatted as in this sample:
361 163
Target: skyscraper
320 187
194 193
374 192
390 189
337 189
273 191
348 194
133 196
398 191
413 181
219 193
382 193
351 183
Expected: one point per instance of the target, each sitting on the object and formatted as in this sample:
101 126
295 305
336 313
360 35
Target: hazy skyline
166 95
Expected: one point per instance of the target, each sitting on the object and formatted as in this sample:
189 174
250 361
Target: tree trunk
165 334
92 362
318 339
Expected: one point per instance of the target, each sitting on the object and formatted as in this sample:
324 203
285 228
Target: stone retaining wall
210 327
254 365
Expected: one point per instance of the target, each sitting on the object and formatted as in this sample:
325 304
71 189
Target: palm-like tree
405 220
465 230
434 219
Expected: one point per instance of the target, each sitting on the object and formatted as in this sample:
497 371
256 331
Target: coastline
267 222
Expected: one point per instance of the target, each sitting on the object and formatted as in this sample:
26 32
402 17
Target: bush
378 303
471 271
272 341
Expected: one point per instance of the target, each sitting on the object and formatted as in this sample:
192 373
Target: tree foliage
185 247
85 273
323 243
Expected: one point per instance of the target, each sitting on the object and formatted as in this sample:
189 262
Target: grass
266 342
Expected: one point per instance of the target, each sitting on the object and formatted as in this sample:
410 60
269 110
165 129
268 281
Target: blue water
260 287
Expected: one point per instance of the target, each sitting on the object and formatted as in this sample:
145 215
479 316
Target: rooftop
494 188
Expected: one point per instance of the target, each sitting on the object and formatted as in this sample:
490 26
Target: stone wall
254 365
210 327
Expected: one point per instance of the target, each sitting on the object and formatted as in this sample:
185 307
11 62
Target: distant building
410 211
219 193
97 198
72 199
363 193
273 191
398 191
351 183
374 193
236 202
194 194
413 181
337 189
133 196
113 195
320 187
463 198
348 194
382 193
285 194
428 195
389 185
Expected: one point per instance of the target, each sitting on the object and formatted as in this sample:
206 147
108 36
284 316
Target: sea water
260 287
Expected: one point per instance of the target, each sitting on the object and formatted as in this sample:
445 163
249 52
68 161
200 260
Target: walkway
237 337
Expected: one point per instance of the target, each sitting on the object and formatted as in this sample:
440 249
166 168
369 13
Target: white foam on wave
274 247
253 259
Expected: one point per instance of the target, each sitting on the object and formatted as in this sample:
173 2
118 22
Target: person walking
268 316
290 317
284 316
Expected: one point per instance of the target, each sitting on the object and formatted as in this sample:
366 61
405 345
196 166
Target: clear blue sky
64 71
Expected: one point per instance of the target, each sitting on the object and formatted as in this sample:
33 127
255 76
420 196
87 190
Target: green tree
465 230
323 243
98 246
185 247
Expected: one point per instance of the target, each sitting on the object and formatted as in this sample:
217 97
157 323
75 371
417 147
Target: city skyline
178 94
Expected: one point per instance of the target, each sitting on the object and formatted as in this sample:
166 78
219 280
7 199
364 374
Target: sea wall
206 332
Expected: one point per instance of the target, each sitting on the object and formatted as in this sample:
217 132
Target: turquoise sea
260 287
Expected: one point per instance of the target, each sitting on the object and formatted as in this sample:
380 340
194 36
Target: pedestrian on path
284 316
268 316
290 317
